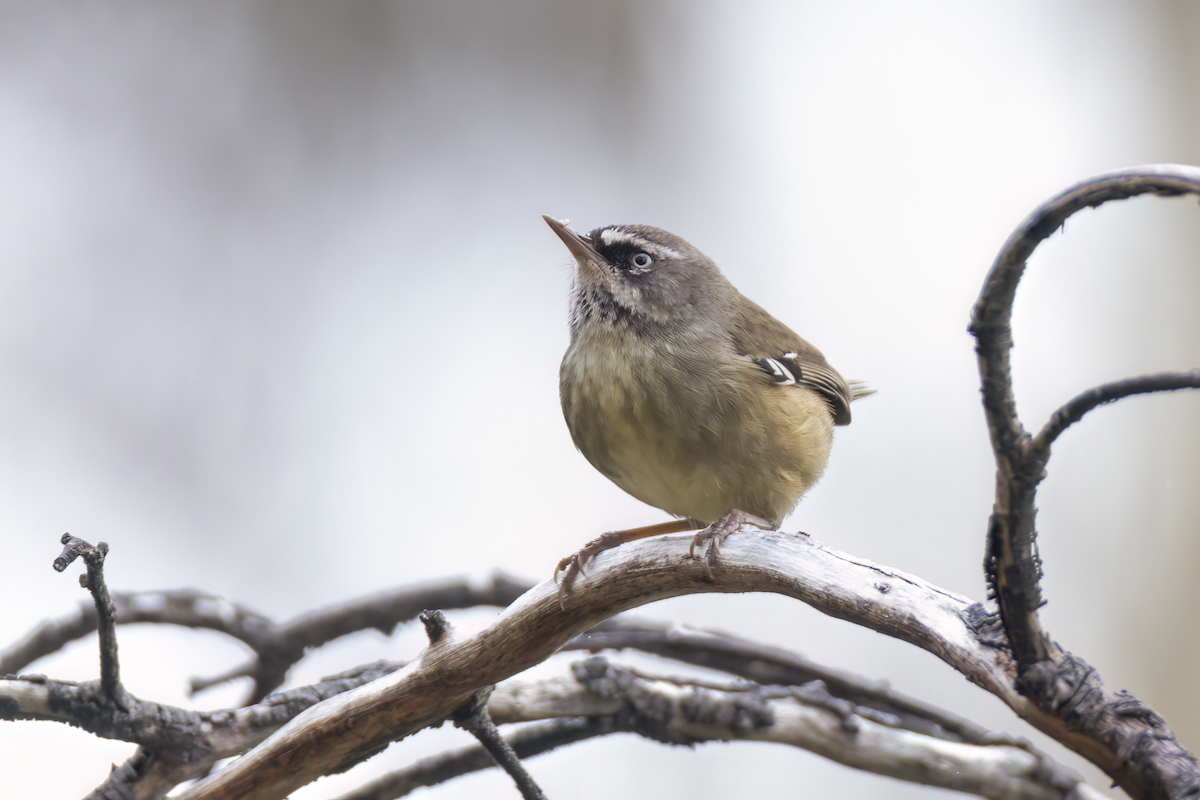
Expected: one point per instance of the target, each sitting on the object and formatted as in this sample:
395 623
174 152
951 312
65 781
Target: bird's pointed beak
580 245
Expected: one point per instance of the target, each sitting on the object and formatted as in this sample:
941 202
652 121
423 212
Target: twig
290 640
1084 402
106 625
527 742
473 716
474 719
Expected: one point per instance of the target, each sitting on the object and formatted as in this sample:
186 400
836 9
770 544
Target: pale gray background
279 317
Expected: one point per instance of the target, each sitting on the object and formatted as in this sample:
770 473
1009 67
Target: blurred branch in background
276 646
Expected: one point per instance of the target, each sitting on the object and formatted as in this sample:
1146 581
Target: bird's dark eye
642 260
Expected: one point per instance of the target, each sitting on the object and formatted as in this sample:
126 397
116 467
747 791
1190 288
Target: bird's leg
715 534
574 564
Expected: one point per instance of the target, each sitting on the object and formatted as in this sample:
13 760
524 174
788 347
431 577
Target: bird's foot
574 565
715 534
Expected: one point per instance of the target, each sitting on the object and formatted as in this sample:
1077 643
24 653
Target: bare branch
382 612
350 727
1012 564
277 646
526 742
359 723
847 695
683 711
1062 685
773 666
610 699
475 719
185 607
106 613
175 744
1084 402
667 710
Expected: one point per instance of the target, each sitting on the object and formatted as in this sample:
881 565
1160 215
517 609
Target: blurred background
279 319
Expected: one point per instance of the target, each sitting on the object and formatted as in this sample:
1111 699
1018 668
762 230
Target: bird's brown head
641 276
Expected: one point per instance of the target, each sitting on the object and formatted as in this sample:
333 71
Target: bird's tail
859 389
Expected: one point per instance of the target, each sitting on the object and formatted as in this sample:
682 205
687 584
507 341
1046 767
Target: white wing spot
783 376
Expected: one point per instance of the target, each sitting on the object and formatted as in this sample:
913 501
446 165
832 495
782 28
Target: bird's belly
662 477
700 464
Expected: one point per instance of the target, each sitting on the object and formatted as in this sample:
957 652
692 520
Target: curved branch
186 607
992 316
686 711
1014 570
595 698
277 646
767 665
1084 402
382 612
353 726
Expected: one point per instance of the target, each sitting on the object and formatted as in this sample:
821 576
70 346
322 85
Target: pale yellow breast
694 436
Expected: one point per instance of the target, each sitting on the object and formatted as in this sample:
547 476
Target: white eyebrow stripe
611 236
614 236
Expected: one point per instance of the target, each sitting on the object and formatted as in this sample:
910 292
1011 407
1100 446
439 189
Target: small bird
686 394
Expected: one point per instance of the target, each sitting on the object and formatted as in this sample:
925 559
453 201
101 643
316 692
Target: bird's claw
715 534
574 565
